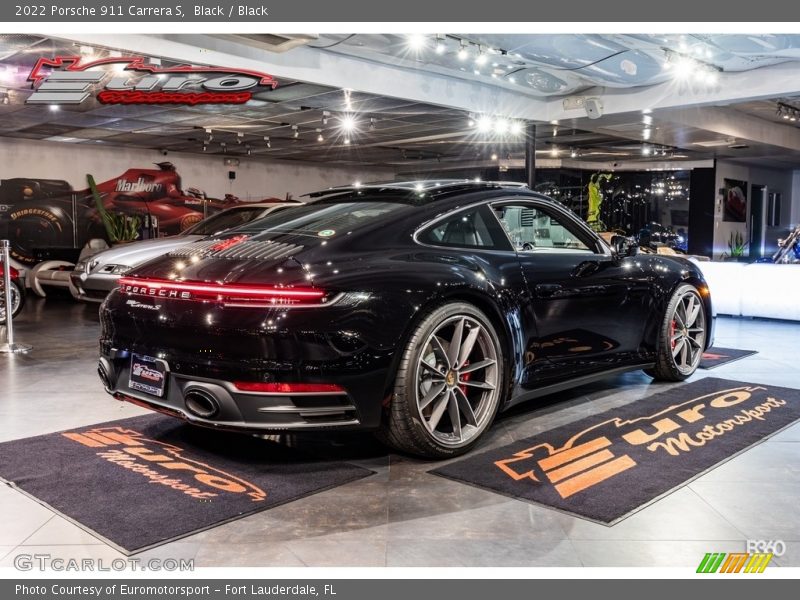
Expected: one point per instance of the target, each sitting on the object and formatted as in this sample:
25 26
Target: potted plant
121 228
736 247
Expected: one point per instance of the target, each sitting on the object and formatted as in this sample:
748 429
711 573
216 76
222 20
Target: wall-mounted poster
734 203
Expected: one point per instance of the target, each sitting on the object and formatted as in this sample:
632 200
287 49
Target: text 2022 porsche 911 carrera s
417 310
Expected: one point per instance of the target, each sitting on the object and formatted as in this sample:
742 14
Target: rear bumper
217 403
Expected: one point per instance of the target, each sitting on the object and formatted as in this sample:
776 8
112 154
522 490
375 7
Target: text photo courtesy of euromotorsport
186 591
132 10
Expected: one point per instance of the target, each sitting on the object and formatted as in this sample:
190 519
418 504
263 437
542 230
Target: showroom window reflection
632 200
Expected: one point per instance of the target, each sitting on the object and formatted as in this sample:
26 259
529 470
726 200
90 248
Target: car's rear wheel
682 337
448 385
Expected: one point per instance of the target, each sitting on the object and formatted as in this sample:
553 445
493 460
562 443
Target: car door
481 244
589 307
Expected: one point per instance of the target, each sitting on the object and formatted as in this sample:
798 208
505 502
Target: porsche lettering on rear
142 290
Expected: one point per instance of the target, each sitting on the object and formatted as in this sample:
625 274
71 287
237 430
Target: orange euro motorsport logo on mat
599 453
734 562
163 464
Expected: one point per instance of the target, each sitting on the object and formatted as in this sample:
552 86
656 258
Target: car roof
421 185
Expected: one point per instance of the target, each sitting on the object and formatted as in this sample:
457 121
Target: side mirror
624 246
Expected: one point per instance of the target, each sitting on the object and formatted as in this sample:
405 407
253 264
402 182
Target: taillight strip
188 290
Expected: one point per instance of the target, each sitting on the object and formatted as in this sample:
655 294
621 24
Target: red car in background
17 294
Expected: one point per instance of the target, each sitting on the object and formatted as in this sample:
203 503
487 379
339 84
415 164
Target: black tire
403 428
667 367
37 226
17 299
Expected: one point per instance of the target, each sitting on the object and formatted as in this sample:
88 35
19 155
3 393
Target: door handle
586 268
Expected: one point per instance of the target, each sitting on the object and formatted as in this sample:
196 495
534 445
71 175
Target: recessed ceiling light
416 41
484 124
348 123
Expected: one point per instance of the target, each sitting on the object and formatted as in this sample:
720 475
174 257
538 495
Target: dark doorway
758 195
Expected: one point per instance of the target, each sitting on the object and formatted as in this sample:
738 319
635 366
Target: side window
531 229
472 228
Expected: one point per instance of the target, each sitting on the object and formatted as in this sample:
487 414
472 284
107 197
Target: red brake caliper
672 326
465 377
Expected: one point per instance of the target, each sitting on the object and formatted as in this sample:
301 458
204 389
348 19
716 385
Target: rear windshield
323 219
233 217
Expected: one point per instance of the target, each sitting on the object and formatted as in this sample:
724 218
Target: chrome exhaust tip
201 403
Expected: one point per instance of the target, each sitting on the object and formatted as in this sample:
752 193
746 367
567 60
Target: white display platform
753 290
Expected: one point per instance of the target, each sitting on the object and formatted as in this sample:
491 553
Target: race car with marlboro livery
158 193
42 213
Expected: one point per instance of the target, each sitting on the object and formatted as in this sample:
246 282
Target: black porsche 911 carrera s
418 310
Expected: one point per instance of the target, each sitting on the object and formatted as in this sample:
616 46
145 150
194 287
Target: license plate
148 375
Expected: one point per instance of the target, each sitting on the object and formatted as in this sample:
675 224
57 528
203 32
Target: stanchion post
9 347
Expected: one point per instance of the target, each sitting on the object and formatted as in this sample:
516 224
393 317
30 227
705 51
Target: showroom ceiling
303 120
562 64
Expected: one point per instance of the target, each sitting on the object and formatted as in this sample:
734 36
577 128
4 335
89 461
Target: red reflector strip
182 290
287 388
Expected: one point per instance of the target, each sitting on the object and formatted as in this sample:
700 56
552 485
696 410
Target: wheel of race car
17 302
37 226
682 336
448 385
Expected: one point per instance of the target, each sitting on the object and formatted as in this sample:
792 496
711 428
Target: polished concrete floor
403 516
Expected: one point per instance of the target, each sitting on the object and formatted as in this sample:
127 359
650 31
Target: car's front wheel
448 385
682 337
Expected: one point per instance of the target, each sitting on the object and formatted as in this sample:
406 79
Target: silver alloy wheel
688 332
457 380
15 300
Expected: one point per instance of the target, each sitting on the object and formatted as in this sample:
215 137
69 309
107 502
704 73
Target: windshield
227 219
323 219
